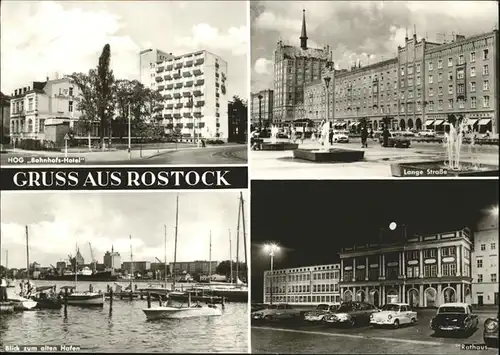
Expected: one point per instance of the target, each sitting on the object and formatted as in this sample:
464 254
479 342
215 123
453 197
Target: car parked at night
351 314
454 318
490 333
321 311
396 140
394 315
276 312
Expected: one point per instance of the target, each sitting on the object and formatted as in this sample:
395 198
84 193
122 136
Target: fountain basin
330 155
279 146
438 168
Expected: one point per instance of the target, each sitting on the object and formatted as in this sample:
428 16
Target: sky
312 221
368 31
40 38
57 221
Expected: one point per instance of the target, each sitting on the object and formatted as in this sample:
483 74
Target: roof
399 304
455 304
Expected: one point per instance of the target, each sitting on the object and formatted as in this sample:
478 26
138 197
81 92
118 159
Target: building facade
261 110
112 260
194 88
309 285
237 112
147 60
201 267
293 68
5 106
136 266
485 262
424 271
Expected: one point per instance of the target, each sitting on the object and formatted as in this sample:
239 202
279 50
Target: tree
240 107
224 268
104 92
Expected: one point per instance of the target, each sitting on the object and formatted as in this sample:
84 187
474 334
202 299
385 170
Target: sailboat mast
210 259
165 246
27 255
175 242
76 265
230 258
131 264
242 206
238 245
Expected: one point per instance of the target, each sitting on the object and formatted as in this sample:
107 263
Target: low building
200 267
422 270
136 266
485 262
261 110
308 285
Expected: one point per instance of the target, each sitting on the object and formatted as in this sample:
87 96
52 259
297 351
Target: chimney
15 92
303 34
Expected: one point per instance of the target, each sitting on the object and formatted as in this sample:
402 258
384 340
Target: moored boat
170 312
46 298
6 307
22 304
85 298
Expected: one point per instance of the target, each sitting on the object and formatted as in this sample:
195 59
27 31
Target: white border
249 172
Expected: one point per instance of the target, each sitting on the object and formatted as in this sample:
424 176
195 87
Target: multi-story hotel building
303 285
423 270
261 110
293 68
485 262
36 111
147 60
194 87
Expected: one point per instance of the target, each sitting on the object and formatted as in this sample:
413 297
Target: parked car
396 140
282 135
321 311
454 318
258 306
427 133
490 333
409 134
340 137
276 312
352 313
394 314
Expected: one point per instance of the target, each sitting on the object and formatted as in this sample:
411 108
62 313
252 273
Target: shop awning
430 123
340 124
471 121
484 121
438 122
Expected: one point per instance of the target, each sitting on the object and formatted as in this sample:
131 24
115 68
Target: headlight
389 317
371 316
491 324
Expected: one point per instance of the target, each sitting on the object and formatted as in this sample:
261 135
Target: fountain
452 165
275 145
326 153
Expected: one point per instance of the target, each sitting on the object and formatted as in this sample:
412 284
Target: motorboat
173 312
85 298
46 298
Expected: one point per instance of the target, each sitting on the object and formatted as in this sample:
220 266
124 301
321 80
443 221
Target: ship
85 275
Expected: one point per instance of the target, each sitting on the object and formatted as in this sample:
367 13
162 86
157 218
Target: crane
94 261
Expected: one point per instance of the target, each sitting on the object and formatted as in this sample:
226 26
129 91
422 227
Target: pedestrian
364 138
254 139
303 134
3 289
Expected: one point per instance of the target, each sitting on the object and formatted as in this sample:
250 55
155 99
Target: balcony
179 105
223 77
188 84
161 87
159 107
223 89
199 61
170 106
167 116
188 63
178 85
178 65
217 75
197 114
186 94
217 95
189 104
200 103
201 124
179 125
187 74
167 77
170 126
217 85
197 93
197 72
170 67
170 86
177 115
167 97
160 69
177 75
187 115
199 82
158 79
217 115
177 95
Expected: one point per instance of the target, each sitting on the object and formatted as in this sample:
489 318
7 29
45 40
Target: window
483 247
70 91
479 263
450 76
460 59
431 65
493 246
440 104
450 103
70 106
418 92
472 71
410 69
485 54
460 73
450 89
30 104
430 270
479 278
472 86
449 269
486 85
450 62
418 68
402 71
440 77
431 92
410 82
486 101
472 57
412 272
431 79
418 80
473 102
460 88
493 277
485 70
440 64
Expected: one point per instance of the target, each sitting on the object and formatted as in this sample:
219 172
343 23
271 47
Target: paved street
305 338
268 165
169 155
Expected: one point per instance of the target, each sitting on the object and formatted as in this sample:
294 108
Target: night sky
312 220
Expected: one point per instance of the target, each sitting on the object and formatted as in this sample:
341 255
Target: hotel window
402 71
479 278
440 63
431 79
402 83
472 71
430 270
418 92
392 272
460 59
410 82
460 73
429 253
450 62
460 88
410 94
486 101
30 104
486 85
440 104
485 54
440 90
493 246
402 108
449 269
412 272
70 106
373 274
450 89
440 77
347 276
431 92
473 102
472 57
418 106
483 247
418 68
493 277
431 65
418 80
448 251
485 70
466 271
410 69
450 76
70 91
472 86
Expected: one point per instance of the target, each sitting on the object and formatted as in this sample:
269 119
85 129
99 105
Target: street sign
66 137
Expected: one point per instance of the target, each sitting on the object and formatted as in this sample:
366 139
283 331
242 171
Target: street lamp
129 135
327 80
271 249
260 110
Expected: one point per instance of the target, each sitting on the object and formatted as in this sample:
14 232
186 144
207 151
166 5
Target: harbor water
126 329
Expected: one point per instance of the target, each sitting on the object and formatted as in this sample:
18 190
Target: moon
392 226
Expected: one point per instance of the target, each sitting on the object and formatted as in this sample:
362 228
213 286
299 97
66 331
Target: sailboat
160 289
181 311
20 302
85 298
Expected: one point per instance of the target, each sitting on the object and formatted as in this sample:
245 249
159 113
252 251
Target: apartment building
422 270
308 285
194 267
485 262
147 60
261 110
194 87
136 266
